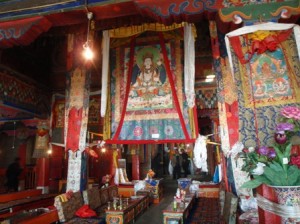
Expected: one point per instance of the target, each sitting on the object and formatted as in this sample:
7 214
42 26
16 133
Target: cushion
112 192
85 212
104 195
72 205
92 197
101 211
58 205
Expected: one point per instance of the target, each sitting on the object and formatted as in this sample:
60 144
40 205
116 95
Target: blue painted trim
19 107
17 118
57 8
43 11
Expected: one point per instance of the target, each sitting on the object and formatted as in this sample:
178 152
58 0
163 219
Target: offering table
128 212
180 214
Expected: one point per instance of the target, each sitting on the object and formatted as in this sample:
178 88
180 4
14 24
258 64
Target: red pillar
22 156
135 167
264 216
42 169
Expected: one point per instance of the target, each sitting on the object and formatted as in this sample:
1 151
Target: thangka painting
269 82
58 113
150 113
94 108
267 78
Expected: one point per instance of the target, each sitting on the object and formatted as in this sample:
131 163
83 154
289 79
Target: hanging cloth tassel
189 65
105 62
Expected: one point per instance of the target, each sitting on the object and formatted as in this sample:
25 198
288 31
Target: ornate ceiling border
260 12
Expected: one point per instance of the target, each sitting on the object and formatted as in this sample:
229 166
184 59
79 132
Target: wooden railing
2 181
30 177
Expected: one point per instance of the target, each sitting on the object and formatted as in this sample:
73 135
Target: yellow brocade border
118 90
134 30
192 122
290 48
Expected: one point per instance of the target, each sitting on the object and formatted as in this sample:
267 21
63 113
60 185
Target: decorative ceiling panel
22 32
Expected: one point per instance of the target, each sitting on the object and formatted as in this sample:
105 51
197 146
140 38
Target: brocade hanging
266 76
77 107
151 111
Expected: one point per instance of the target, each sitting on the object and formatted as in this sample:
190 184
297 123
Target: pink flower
291 112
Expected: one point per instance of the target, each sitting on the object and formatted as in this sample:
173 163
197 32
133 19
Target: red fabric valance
259 46
22 32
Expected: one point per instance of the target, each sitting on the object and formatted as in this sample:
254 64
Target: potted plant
276 166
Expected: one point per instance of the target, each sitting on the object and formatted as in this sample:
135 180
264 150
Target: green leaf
277 177
293 176
251 184
278 152
287 151
276 167
263 179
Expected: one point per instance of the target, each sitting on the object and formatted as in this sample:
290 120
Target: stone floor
154 214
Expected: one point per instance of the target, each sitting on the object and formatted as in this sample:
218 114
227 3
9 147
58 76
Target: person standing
156 164
12 175
176 163
185 162
166 161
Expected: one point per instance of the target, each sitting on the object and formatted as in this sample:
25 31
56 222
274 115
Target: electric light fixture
88 54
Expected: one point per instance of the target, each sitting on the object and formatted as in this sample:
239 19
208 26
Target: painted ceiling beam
16 9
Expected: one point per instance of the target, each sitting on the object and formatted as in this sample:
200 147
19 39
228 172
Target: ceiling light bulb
87 52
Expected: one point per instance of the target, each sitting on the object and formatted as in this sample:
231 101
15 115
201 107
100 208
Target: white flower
251 149
259 170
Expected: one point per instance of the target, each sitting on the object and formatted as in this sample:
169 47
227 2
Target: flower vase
288 196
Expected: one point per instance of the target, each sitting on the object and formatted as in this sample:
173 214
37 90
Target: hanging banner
264 60
156 109
41 145
76 109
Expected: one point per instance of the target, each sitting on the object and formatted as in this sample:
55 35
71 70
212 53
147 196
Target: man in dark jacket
185 162
176 163
12 175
